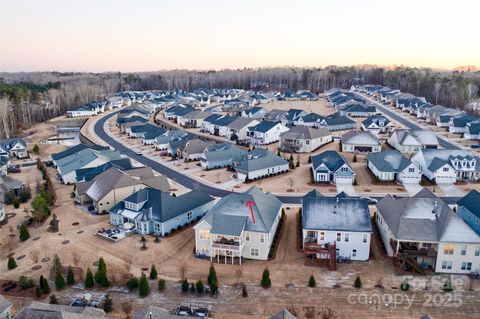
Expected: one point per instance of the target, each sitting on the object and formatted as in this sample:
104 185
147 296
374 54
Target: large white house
239 226
304 139
342 222
393 166
411 141
265 132
425 234
360 142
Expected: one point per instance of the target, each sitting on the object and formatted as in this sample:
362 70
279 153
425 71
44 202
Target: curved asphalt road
182 179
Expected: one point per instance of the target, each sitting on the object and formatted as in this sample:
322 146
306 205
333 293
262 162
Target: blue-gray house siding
469 218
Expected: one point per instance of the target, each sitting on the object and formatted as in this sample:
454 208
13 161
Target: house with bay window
240 225
151 211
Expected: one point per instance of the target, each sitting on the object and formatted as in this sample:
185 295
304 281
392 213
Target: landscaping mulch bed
65 242
16 292
36 238
20 257
45 259
80 232
11 235
75 223
36 267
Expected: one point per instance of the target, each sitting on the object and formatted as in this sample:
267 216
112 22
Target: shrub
358 282
59 280
311 282
11 264
25 194
214 288
212 275
405 285
36 149
107 303
101 274
43 283
89 283
16 202
244 291
185 285
153 272
266 282
200 287
192 287
70 276
309 159
354 158
24 234
41 204
298 163
143 287
161 284
132 283
38 292
25 283
53 300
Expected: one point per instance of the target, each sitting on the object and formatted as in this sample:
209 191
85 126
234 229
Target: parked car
475 146
14 169
139 153
184 311
201 312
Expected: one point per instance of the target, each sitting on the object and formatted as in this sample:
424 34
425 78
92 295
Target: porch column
218 256
398 246
240 257
233 257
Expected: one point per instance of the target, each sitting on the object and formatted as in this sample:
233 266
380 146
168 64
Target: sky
147 35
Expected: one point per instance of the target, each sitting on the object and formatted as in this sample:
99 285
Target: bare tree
75 258
127 308
5 107
34 256
182 270
291 182
127 265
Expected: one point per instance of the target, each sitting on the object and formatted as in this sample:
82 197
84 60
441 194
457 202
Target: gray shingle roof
305 132
471 201
331 159
389 161
263 126
240 123
360 138
253 161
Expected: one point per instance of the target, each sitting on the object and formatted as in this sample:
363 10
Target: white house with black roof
259 163
340 221
13 147
377 124
310 120
151 211
237 130
468 208
391 165
360 142
331 167
240 225
264 133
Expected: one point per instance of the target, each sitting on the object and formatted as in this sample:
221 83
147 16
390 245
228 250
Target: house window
262 238
247 236
157 227
254 252
411 170
448 250
307 142
339 236
354 253
466 265
365 238
446 265
477 251
311 234
322 235
347 237
204 234
445 169
204 248
189 215
463 250
344 169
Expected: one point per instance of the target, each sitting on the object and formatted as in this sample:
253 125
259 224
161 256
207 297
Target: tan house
112 186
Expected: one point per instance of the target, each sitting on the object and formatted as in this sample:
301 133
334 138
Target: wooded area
29 98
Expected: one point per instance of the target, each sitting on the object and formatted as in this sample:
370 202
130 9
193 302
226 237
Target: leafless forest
29 98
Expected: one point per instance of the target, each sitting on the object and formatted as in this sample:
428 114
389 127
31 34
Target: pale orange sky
147 35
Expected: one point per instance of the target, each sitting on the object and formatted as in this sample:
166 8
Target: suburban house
9 185
112 186
87 174
220 155
425 234
175 111
335 122
161 141
255 113
304 139
192 150
126 118
447 166
40 310
311 120
259 163
151 211
377 124
358 110
145 131
67 162
468 208
4 162
458 124
237 130
265 133
472 131
335 227
274 115
330 166
391 165
89 109
193 119
360 142
240 225
291 116
13 147
216 124
411 141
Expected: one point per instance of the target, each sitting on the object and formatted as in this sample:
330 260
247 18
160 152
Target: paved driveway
347 188
412 188
451 190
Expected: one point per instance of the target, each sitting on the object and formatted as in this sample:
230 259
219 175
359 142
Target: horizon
148 36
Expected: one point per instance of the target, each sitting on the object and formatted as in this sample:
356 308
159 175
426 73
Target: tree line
30 98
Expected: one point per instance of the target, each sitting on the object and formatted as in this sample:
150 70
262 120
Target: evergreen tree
266 282
185 285
161 284
132 283
70 276
200 287
11 264
214 287
309 159
89 283
36 149
59 280
153 272
44 285
212 275
24 234
107 303
101 274
38 292
311 282
143 287
358 282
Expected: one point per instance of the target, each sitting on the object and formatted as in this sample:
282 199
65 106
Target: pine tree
143 287
214 287
311 282
212 275
200 287
309 159
59 280
185 285
266 282
102 266
358 282
70 276
161 284
153 272
11 264
101 274
36 149
24 234
44 285
89 283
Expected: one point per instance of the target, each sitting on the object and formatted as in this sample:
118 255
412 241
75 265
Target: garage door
343 180
445 179
363 149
